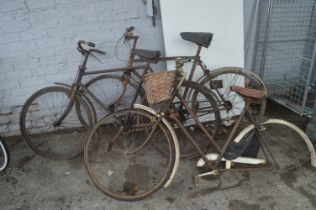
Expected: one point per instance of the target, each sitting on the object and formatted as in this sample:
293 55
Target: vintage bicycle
218 80
132 153
67 111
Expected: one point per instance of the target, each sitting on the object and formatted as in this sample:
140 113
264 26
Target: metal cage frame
285 42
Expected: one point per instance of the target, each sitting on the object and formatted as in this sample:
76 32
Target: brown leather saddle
251 95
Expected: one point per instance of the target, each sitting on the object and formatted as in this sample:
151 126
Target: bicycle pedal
210 173
196 179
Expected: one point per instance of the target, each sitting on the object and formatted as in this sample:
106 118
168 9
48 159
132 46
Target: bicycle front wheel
119 163
41 129
4 155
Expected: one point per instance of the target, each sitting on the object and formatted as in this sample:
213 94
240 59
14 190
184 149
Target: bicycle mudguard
6 154
299 131
174 138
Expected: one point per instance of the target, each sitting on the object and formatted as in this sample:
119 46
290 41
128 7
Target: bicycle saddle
253 94
147 54
199 38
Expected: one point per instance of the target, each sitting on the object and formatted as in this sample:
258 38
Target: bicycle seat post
196 61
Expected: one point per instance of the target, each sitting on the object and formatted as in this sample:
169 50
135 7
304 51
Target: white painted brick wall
38 40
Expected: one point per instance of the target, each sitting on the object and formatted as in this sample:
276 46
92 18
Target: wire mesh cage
286 49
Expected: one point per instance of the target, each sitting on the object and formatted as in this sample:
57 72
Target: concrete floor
32 182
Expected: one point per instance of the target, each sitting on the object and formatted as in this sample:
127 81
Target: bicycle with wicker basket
217 80
131 154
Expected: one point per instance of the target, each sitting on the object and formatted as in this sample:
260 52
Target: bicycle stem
69 106
132 54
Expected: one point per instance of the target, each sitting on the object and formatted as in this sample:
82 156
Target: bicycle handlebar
90 44
130 29
128 35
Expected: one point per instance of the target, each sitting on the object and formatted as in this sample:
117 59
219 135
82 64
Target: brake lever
95 57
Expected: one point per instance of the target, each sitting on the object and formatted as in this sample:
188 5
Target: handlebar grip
129 29
90 44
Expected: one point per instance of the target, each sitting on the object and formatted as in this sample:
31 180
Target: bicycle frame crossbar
104 71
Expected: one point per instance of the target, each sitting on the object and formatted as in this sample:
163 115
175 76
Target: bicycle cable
116 49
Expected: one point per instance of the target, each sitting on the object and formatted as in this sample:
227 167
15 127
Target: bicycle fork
69 106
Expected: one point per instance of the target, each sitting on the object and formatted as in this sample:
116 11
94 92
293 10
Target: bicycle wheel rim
230 103
111 176
41 111
4 156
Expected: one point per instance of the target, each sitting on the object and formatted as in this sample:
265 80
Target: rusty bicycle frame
167 119
79 89
169 111
194 59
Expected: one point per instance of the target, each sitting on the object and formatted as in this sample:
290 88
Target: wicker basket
158 86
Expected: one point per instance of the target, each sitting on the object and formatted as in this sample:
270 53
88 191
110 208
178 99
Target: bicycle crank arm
244 160
196 178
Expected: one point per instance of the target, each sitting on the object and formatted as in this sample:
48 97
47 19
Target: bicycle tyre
4 155
111 168
37 119
228 75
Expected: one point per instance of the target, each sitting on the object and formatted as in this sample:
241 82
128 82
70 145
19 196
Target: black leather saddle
199 38
147 54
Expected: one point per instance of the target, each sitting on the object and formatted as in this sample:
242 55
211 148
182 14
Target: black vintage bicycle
132 153
54 119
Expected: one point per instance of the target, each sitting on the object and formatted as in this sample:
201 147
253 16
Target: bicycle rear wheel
285 141
4 155
114 93
117 172
230 103
42 132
